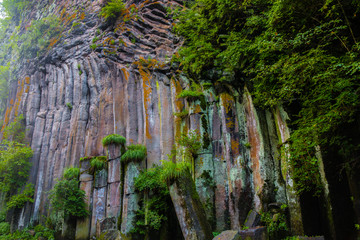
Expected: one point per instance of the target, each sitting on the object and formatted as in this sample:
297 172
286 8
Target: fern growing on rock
134 153
113 139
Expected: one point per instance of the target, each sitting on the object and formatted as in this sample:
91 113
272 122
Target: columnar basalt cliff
77 93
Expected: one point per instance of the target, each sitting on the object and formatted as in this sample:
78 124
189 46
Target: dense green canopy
301 54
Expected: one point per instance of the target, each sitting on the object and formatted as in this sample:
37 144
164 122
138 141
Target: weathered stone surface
228 235
114 171
85 177
113 202
112 234
258 233
99 208
83 225
253 219
130 199
113 151
189 210
103 225
101 178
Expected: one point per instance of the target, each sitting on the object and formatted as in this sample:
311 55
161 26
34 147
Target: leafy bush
113 139
190 94
41 232
134 153
14 165
276 225
191 142
71 173
172 171
66 198
98 163
155 204
19 200
4 228
112 9
15 131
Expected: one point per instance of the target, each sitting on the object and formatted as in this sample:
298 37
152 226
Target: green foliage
276 225
181 115
67 200
4 86
93 46
151 180
112 9
14 165
19 200
13 8
41 232
191 142
135 153
4 228
98 163
71 173
15 131
69 105
216 234
37 38
113 139
303 55
172 171
155 204
190 94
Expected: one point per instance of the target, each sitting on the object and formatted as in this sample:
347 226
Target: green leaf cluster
14 165
66 198
113 139
41 232
135 152
155 203
19 200
98 163
112 9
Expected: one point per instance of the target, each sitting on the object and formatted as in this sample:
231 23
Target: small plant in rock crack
69 105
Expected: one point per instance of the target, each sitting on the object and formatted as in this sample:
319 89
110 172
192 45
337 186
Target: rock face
128 86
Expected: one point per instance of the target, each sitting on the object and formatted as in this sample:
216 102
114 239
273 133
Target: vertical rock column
114 181
189 210
99 199
131 198
86 184
293 200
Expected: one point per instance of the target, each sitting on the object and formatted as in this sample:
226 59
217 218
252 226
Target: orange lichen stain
227 101
178 102
82 16
12 101
146 77
7 117
125 73
197 109
27 80
53 41
235 147
27 89
230 123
